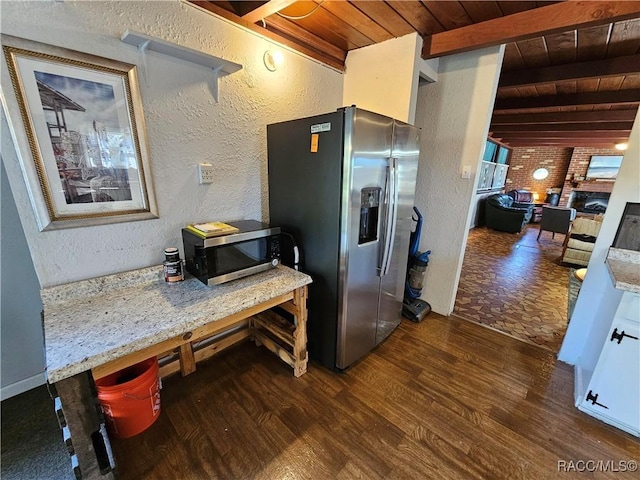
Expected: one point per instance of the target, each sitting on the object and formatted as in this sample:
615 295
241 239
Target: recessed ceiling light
621 146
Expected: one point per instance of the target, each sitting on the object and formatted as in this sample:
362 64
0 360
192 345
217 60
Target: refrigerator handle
392 215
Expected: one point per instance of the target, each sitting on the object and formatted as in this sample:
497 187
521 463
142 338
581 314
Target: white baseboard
22 386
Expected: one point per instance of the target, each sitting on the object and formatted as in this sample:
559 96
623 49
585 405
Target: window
494 166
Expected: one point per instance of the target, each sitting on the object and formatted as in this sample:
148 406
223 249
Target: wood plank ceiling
571 71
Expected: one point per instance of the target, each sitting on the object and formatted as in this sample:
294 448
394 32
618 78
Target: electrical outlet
205 173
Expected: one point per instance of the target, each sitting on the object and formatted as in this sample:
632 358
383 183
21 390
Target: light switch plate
466 171
205 173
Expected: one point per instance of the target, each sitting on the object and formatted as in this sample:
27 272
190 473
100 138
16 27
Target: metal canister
172 265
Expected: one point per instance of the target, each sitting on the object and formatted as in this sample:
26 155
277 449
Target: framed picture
78 126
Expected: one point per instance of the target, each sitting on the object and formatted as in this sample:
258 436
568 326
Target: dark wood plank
548 89
326 25
482 11
593 42
594 98
511 7
526 92
625 38
564 143
449 14
512 58
383 14
611 83
562 47
567 117
566 88
358 20
534 52
415 14
599 134
529 24
630 81
563 127
610 67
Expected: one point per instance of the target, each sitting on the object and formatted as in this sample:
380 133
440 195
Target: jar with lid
172 265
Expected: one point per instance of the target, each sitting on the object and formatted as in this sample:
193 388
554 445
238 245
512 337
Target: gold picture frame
78 127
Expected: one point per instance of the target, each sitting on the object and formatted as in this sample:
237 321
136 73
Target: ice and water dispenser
369 211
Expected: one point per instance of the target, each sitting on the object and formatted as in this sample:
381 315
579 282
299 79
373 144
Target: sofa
504 214
580 241
521 196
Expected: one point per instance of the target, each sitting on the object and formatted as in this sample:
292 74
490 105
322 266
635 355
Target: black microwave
254 248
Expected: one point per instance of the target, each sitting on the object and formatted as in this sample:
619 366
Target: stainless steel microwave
254 248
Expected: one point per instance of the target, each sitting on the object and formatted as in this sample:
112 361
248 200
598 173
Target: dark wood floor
443 399
516 284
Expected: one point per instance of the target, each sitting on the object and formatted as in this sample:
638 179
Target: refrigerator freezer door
305 190
405 152
367 151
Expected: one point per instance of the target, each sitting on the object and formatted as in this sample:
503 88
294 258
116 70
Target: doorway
515 284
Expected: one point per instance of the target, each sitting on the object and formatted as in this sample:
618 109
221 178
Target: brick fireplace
589 202
587 196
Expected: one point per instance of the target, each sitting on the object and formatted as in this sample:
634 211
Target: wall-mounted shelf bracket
145 43
142 55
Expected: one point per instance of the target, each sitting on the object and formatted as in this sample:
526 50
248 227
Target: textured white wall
184 125
454 115
598 300
383 77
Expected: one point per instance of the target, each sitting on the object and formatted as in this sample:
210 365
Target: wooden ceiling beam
572 142
266 9
321 45
609 67
598 116
618 97
564 127
556 18
550 135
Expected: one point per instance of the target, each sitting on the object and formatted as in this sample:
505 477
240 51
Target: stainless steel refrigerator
343 185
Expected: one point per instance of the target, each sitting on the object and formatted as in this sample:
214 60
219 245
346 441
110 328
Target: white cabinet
613 394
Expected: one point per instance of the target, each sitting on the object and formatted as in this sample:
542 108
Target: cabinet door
500 176
487 170
614 391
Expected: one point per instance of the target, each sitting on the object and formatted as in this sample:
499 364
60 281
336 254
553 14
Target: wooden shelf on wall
144 42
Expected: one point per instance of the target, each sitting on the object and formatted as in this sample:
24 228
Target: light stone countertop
92 322
624 268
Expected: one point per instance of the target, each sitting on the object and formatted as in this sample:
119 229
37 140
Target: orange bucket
130 398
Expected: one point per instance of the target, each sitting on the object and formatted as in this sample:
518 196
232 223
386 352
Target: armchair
556 220
580 241
504 214
527 197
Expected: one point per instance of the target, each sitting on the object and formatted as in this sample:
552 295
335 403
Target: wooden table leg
187 360
81 417
300 353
